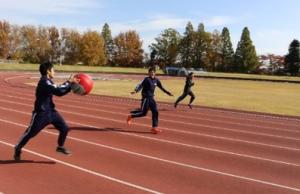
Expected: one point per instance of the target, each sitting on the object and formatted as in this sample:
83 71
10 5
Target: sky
273 24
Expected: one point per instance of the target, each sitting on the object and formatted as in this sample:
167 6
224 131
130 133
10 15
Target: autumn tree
55 44
92 49
70 49
4 39
29 44
43 45
128 51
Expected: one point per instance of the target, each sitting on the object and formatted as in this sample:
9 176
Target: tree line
212 51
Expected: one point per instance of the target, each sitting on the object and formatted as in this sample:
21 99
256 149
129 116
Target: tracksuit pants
146 104
41 120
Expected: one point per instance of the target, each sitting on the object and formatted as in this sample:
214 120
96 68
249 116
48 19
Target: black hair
151 69
44 67
191 73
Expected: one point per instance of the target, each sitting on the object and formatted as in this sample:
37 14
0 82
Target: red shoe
129 120
155 130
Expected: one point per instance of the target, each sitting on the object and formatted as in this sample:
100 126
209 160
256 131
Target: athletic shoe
155 130
17 155
190 106
175 105
129 120
63 150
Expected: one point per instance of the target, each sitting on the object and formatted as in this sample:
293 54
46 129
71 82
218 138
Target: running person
187 90
148 102
44 112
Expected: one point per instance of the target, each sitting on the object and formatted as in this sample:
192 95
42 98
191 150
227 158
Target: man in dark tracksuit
44 112
187 90
148 87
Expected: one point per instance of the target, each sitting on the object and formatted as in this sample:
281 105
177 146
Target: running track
204 151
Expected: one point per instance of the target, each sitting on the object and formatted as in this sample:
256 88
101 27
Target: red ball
85 84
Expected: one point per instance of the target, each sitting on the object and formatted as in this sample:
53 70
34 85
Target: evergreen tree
245 57
167 47
292 59
187 46
202 43
214 52
108 42
227 51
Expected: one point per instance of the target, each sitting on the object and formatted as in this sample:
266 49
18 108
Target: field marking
151 157
166 141
85 170
185 123
174 130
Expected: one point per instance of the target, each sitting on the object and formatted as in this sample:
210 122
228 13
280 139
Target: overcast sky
273 24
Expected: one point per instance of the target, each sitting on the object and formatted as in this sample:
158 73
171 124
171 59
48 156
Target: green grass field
270 97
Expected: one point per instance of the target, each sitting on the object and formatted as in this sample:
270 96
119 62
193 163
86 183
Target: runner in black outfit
148 102
187 90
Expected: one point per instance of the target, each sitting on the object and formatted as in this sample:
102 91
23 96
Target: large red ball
86 84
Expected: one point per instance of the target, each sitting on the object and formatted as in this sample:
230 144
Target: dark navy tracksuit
148 102
187 91
44 112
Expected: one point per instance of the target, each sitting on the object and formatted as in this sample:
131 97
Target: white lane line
86 170
174 130
237 123
154 158
185 123
164 141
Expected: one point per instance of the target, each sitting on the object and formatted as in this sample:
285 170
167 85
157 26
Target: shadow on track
25 161
107 129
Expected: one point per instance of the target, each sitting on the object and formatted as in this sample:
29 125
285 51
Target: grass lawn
279 98
269 97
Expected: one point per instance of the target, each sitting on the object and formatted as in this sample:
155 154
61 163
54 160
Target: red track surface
203 150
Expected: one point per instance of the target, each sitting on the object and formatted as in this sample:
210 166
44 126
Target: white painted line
172 162
86 170
165 128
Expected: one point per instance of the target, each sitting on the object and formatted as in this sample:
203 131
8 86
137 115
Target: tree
202 44
128 50
92 49
187 46
292 59
4 39
29 44
227 51
55 43
214 52
245 56
15 50
70 47
43 45
167 45
108 42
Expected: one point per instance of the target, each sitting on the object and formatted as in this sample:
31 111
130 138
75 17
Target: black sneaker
190 106
17 155
175 105
63 150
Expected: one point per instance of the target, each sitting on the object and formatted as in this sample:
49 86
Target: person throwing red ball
44 112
